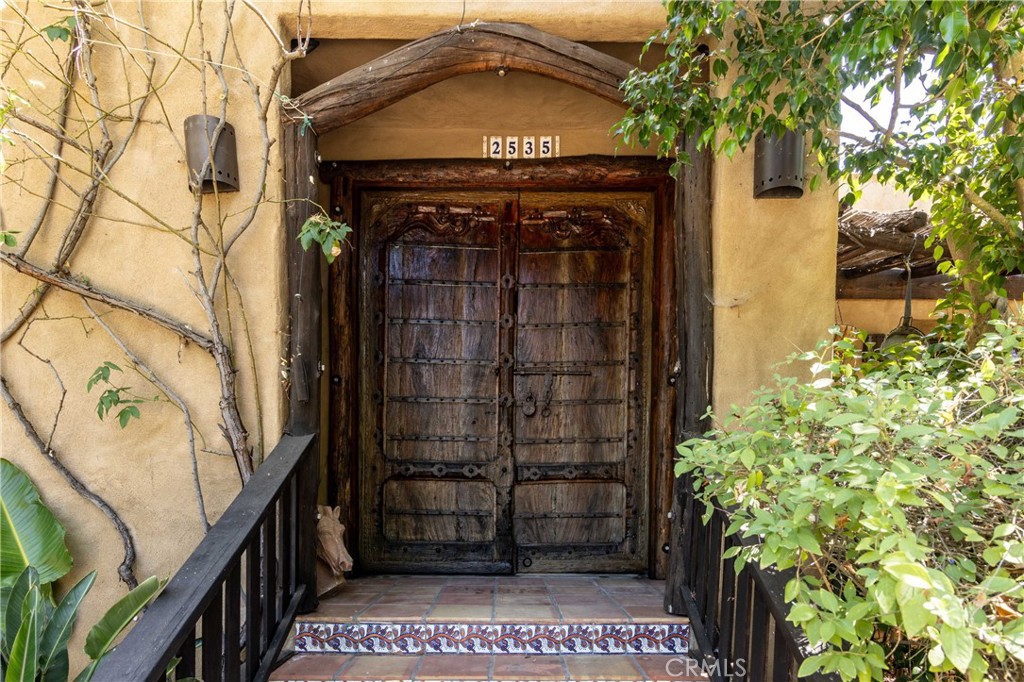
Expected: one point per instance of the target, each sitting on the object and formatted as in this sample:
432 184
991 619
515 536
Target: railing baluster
727 611
305 546
187 653
232 624
782 660
700 587
213 633
287 543
741 630
759 639
269 583
713 561
253 612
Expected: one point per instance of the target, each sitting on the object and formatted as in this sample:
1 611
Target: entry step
493 638
502 615
477 667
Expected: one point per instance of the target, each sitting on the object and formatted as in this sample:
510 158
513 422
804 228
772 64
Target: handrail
737 621
232 603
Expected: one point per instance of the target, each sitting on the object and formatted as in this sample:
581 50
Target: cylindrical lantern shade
779 166
222 174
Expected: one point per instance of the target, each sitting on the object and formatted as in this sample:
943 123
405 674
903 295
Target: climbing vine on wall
112 66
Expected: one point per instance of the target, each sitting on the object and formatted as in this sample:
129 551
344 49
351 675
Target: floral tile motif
490 638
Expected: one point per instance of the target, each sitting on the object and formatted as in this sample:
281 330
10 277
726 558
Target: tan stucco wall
774 260
774 270
143 471
880 316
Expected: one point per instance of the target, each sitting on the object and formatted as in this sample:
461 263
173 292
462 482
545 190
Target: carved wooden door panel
435 477
503 381
583 303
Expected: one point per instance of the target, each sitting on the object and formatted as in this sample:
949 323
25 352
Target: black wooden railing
227 612
737 621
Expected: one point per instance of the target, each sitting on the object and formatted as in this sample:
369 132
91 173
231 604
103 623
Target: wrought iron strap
439 321
397 281
569 471
477 469
442 439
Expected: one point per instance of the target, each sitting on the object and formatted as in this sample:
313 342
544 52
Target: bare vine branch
91 292
126 569
175 398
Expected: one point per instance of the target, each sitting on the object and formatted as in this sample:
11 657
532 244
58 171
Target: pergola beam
892 284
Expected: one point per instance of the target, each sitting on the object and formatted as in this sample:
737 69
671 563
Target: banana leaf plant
34 629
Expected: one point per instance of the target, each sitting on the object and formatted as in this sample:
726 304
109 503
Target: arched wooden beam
457 51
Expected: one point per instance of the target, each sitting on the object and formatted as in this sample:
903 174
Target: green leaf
23 665
125 415
102 635
913 575
952 25
62 621
730 147
13 601
801 613
30 535
958 645
59 668
811 664
844 419
56 32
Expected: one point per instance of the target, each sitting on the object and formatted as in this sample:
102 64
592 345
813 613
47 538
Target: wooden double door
504 368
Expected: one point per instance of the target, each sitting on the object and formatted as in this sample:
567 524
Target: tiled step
437 667
507 615
493 638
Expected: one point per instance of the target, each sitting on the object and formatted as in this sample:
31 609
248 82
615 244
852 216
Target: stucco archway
475 48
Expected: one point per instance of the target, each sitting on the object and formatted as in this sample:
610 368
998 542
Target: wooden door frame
593 173
414 67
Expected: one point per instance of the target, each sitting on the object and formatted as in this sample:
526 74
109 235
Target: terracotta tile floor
501 599
437 667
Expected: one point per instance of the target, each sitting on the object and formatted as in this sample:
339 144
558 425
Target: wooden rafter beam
475 48
892 284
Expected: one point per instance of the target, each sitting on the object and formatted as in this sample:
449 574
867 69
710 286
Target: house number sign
525 147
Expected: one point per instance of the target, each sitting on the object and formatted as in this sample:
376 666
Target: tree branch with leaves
778 66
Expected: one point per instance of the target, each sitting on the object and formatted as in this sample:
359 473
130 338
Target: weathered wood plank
303 284
475 48
608 172
696 345
665 380
342 358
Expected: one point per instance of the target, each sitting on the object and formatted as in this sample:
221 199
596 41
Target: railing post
307 487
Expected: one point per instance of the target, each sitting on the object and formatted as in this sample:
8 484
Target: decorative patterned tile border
486 638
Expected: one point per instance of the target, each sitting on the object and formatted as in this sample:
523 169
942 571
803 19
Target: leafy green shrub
894 486
34 629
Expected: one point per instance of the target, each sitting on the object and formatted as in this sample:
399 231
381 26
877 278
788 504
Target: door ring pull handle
530 405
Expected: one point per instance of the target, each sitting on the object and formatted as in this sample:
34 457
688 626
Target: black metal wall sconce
222 171
779 166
